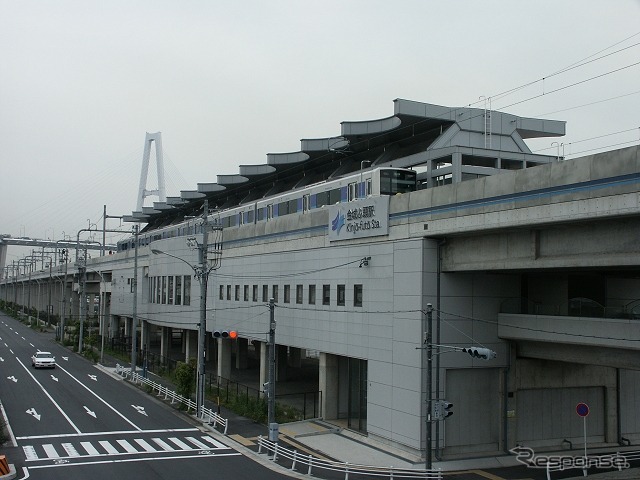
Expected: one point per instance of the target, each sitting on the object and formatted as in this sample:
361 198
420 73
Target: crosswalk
121 446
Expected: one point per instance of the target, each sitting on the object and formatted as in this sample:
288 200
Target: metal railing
309 463
207 413
617 460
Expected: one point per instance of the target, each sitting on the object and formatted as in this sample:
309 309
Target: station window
170 290
179 290
357 295
287 294
341 294
299 293
187 290
237 293
265 293
255 293
275 293
221 292
246 293
312 294
326 294
228 292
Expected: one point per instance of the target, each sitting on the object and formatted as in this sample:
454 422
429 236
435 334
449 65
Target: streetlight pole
134 320
271 400
202 272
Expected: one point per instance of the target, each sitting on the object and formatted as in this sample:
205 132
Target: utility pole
271 400
202 326
134 320
429 386
82 271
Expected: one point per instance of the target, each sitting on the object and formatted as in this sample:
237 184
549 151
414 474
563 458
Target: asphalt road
77 422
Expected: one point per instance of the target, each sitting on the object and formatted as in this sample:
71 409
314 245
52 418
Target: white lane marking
102 400
117 432
129 460
143 443
180 443
214 442
108 447
32 345
140 410
197 443
32 411
50 451
163 445
127 446
70 449
30 453
88 446
50 397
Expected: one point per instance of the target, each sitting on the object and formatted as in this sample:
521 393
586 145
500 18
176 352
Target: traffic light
442 409
231 334
479 352
445 409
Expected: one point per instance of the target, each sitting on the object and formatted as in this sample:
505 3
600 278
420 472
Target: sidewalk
331 442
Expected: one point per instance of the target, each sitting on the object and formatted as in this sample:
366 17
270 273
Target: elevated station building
531 256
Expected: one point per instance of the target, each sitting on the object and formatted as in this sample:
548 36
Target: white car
43 359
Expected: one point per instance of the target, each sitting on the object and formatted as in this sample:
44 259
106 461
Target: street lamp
202 272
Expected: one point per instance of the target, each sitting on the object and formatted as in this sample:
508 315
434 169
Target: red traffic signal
232 334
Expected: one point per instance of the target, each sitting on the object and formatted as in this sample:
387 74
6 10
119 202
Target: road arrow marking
93 377
55 379
66 359
140 410
13 379
89 411
32 411
1 359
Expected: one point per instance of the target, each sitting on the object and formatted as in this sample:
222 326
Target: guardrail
309 463
617 460
207 413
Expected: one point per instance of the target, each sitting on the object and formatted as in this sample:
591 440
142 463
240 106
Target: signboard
368 217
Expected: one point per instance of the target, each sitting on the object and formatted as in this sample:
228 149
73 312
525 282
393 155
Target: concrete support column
224 358
328 385
264 365
242 360
190 342
456 167
164 341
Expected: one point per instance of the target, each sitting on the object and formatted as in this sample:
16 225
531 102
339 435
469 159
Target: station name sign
368 217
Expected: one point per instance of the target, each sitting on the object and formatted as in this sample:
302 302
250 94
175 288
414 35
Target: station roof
414 127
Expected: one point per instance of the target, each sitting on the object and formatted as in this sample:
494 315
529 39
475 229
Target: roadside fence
208 414
309 463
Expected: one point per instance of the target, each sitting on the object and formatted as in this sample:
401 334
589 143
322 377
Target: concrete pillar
224 358
328 385
264 365
456 167
190 343
242 360
164 342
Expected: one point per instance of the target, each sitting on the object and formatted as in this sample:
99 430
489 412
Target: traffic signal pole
429 384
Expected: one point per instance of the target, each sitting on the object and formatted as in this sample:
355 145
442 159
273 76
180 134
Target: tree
185 375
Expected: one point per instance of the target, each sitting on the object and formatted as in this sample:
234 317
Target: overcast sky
227 82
